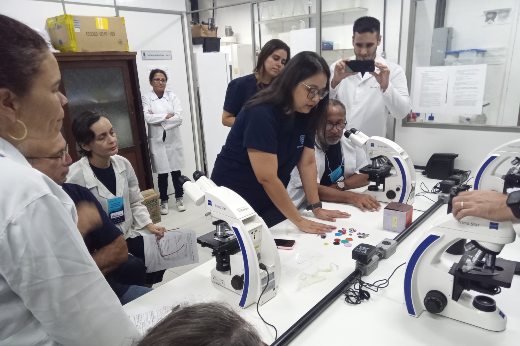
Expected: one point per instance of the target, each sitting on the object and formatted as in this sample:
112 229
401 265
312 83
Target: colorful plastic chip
325 243
347 244
323 235
336 243
338 234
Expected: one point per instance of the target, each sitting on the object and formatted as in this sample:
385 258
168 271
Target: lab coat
51 290
166 156
367 106
127 186
354 159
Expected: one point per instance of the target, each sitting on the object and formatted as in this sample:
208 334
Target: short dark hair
21 54
82 132
156 70
366 24
208 324
334 102
267 50
280 92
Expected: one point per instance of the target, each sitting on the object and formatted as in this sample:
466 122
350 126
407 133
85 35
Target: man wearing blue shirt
123 272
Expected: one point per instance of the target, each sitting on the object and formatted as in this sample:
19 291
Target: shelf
305 16
336 50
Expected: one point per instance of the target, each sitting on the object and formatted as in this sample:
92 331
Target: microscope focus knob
391 194
435 302
237 282
484 303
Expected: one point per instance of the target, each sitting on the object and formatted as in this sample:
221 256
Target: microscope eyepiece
183 179
197 175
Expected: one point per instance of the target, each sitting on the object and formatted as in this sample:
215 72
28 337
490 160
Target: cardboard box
151 202
71 33
200 30
397 216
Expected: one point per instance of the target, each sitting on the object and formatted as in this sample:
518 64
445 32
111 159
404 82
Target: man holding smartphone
369 96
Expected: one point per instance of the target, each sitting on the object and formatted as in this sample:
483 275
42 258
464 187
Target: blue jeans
134 292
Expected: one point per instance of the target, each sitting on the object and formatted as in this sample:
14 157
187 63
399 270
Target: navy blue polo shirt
333 161
265 128
239 91
101 237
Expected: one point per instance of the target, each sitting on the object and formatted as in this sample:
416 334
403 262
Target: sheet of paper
146 320
466 89
176 248
303 40
429 93
165 68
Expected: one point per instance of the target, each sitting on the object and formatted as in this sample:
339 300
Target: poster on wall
466 89
165 68
429 92
497 17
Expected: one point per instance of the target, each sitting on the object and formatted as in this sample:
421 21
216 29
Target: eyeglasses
62 155
315 91
159 80
339 126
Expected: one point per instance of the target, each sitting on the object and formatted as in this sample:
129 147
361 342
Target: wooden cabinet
107 82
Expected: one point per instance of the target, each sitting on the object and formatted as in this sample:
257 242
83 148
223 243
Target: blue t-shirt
265 128
239 91
333 162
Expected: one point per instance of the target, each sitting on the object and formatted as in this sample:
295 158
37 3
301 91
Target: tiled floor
192 218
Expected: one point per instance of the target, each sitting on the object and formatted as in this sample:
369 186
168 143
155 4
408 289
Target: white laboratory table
382 319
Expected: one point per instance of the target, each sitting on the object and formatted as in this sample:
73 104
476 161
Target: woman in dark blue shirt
273 134
271 60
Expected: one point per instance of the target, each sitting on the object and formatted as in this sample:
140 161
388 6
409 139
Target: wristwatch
314 206
513 202
341 185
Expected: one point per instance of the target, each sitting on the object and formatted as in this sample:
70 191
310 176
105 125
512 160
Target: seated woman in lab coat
271 60
112 180
163 113
51 291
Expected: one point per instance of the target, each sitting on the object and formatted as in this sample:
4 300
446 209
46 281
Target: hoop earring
24 135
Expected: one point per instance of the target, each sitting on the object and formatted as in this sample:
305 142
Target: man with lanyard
370 97
338 160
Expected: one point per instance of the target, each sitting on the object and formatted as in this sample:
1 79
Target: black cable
263 267
356 295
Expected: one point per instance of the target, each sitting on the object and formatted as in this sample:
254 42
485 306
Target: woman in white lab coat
162 111
112 180
51 291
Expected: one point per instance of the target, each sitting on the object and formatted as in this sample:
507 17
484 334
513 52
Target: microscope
247 260
391 172
488 178
441 282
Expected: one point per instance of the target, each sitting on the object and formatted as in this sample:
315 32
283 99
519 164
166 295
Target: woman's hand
309 226
157 230
329 215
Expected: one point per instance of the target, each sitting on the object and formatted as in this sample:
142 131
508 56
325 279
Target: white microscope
440 283
391 167
488 178
247 260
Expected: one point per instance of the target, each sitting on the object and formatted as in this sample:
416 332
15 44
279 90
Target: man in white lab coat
370 97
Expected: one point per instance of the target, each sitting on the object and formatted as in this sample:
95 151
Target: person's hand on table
309 226
329 215
88 218
490 205
157 230
383 77
340 73
363 201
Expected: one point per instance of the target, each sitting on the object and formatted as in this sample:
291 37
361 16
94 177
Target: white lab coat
166 156
354 159
51 291
367 106
127 186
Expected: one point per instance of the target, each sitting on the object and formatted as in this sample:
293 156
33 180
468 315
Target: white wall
421 143
238 17
32 13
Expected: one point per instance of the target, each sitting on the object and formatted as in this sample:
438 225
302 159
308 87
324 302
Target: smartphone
360 66
285 244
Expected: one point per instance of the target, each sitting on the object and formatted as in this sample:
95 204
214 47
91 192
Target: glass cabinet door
100 89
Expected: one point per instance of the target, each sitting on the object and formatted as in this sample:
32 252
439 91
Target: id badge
334 176
116 210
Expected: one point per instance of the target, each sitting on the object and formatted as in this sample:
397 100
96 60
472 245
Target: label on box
77 26
102 23
394 221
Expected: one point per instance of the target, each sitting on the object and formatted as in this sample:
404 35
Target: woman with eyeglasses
275 133
51 290
163 113
271 60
